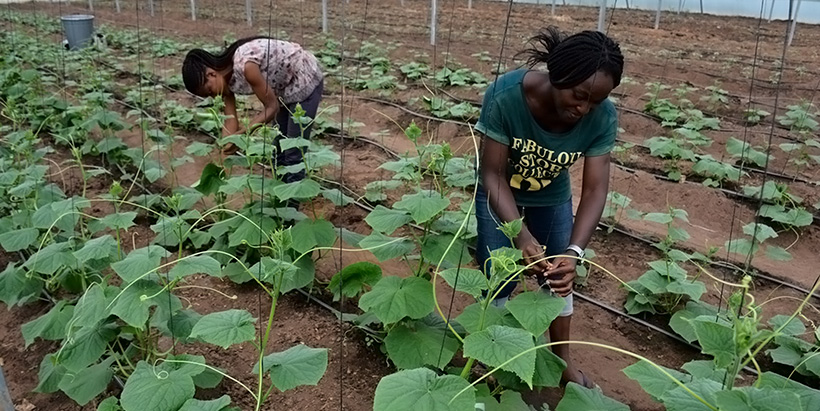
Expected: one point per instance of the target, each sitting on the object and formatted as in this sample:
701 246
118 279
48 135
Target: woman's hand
561 275
533 253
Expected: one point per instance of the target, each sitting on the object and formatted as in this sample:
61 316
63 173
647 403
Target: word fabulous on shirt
538 165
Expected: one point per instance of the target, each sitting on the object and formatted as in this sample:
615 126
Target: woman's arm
231 125
494 159
263 92
593 198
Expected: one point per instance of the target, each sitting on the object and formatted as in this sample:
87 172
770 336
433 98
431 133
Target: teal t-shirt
538 168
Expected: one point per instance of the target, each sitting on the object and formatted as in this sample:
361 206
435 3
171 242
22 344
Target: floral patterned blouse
292 72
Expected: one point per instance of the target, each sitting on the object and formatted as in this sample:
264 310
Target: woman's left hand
561 275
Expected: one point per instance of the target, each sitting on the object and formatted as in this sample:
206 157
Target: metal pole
249 12
771 11
90 5
469 4
117 5
602 16
627 4
433 22
680 5
701 6
193 10
794 22
552 12
324 15
151 7
658 15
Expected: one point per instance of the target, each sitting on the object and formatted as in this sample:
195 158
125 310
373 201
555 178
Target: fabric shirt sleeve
605 141
491 120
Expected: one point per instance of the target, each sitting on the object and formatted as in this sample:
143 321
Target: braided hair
198 60
573 59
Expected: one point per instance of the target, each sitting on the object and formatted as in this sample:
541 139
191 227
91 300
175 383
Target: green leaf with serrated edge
209 378
757 399
18 288
668 268
761 232
85 346
133 305
195 265
139 262
742 246
253 231
793 327
652 380
394 298
16 240
653 281
509 401
211 179
90 308
416 344
548 367
717 340
199 149
109 404
497 343
183 322
423 205
577 397
470 318
147 391
51 258
678 399
786 354
302 189
385 248
466 280
99 248
185 364
352 279
210 405
777 253
84 385
434 247
308 234
122 221
660 218
335 196
49 326
298 365
704 369
386 220
693 289
680 321
49 375
422 390
225 328
535 310
809 397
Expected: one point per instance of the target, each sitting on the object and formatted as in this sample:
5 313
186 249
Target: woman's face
214 84
575 102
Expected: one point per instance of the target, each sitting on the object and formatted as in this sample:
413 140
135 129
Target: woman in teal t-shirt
537 125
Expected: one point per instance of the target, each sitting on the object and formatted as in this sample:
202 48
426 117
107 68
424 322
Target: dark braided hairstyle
197 60
573 59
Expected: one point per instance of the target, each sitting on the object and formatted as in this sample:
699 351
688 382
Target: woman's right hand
533 253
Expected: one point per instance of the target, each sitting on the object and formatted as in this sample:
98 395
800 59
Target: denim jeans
288 128
551 226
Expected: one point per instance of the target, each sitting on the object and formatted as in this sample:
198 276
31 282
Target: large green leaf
298 365
139 262
466 280
16 240
147 391
653 380
717 340
302 189
809 397
693 289
394 298
705 369
194 265
577 397
99 248
18 288
548 368
252 231
680 321
308 234
509 401
122 221
133 304
535 310
211 179
50 326
416 344
290 276
423 205
422 390
386 248
353 279
471 317
49 375
90 308
757 399
225 328
85 346
435 246
497 344
679 399
84 385
51 258
62 214
109 404
791 326
386 220
210 405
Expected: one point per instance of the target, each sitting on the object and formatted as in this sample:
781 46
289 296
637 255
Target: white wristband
576 249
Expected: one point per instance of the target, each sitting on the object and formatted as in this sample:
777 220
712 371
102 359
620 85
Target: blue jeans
551 226
288 128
